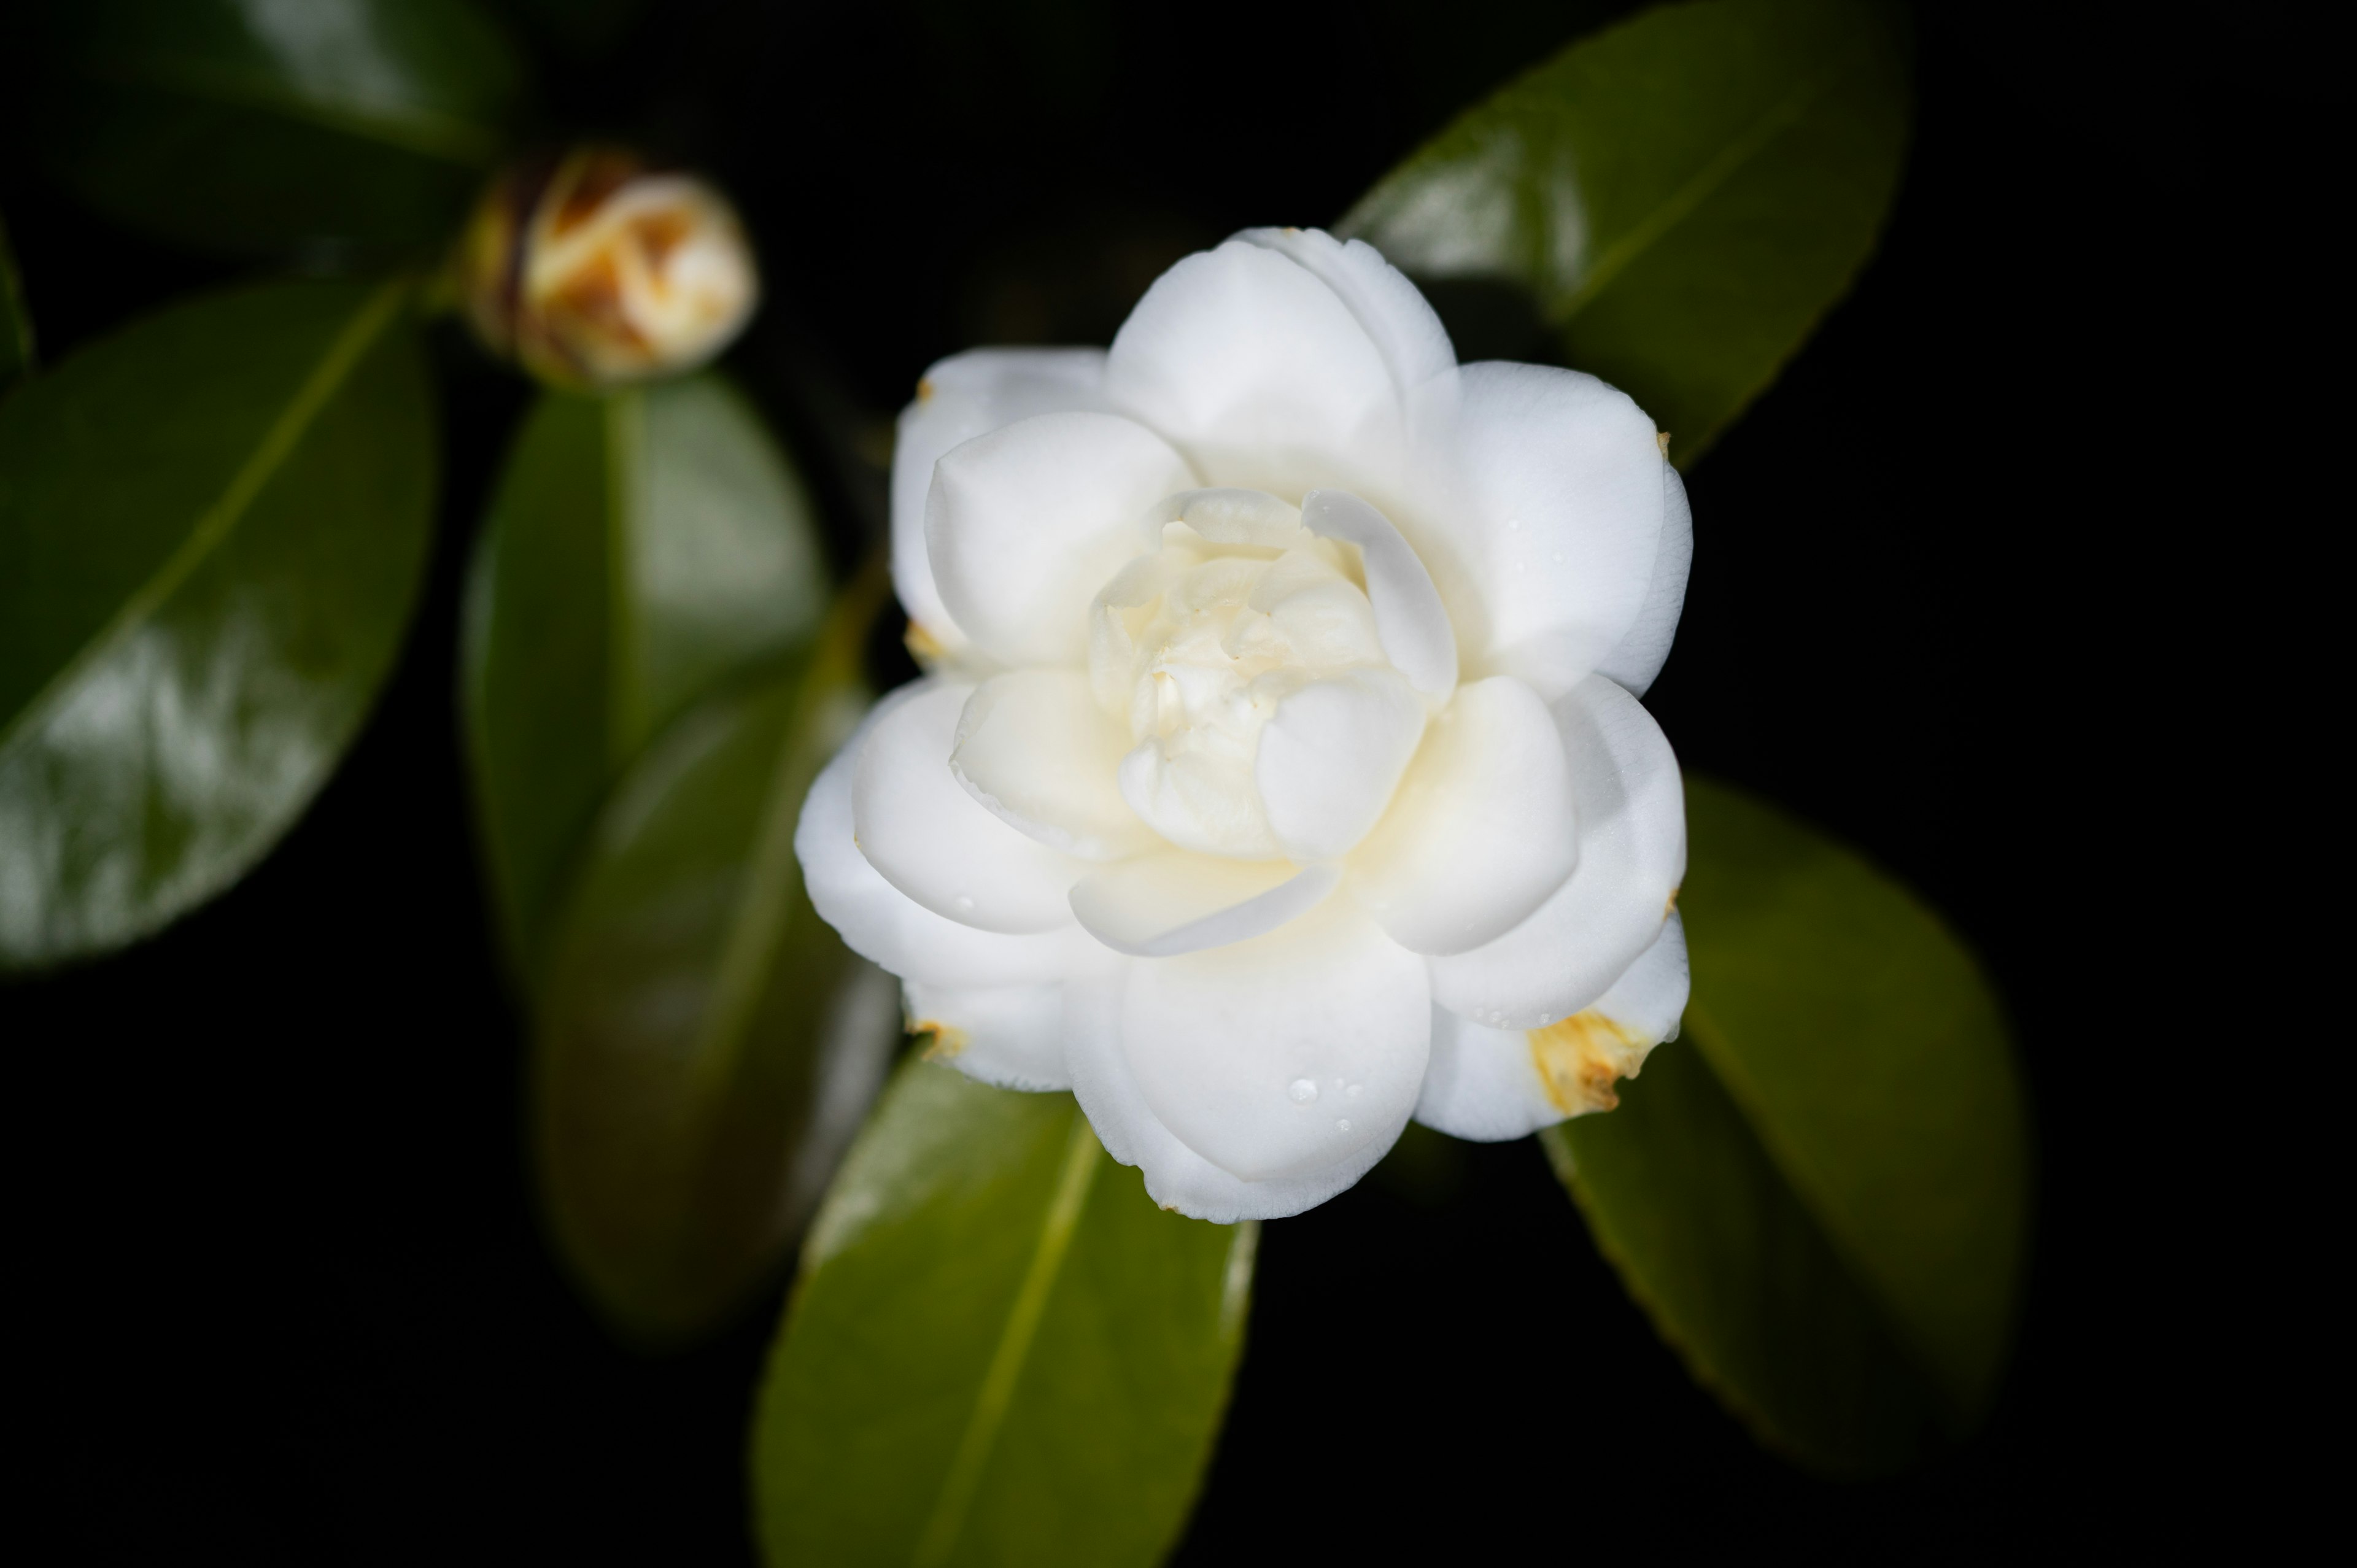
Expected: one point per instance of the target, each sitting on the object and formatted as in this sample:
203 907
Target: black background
1991 584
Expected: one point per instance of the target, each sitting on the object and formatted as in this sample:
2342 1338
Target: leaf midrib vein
220 520
1082 1156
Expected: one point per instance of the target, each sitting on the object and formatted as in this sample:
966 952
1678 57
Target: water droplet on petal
1303 1092
1342 1126
1355 1089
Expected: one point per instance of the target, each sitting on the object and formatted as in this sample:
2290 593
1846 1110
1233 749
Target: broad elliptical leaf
213 529
999 1349
1821 1192
1682 197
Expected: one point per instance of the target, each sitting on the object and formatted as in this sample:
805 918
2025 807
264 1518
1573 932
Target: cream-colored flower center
1194 646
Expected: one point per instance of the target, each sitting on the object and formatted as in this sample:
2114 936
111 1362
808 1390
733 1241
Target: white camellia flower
1279 773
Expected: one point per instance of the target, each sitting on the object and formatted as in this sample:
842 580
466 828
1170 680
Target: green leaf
17 358
1821 1192
212 527
706 1045
240 126
999 1349
1684 195
640 546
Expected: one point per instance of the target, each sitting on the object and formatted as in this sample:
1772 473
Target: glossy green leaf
706 1044
248 125
212 527
999 1350
640 546
16 321
1684 195
1821 1191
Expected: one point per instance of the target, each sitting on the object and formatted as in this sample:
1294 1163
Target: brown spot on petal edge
925 389
1661 439
1670 905
946 1041
1579 1057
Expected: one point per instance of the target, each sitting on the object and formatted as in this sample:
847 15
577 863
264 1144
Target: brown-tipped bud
595 270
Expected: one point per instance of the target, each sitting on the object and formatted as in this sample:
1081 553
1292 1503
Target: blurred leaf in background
640 546
16 357
586 29
1821 1192
259 126
998 1350
706 1045
212 528
1682 196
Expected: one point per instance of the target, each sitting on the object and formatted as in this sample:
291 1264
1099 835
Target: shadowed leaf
642 547
211 530
250 125
706 1045
16 357
1819 1192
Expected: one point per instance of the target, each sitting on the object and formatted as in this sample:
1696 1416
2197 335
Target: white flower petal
937 843
1280 1056
1401 323
1481 828
1177 1178
886 927
1330 757
960 398
1409 616
1025 524
1035 748
1258 371
1640 657
1483 1083
1558 481
1227 516
1010 1035
1160 905
1492 1084
1633 855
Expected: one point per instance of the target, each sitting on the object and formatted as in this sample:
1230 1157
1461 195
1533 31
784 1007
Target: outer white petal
1483 1083
1558 481
1405 329
1160 905
1492 1084
1258 371
1640 657
1025 524
1633 855
886 927
1177 1178
937 843
1481 829
960 398
1034 747
1226 1016
1330 757
1011 1036
1279 1056
1409 616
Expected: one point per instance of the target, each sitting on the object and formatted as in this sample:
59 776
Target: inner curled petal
1197 646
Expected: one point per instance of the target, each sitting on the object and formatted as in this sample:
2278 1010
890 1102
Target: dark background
1990 585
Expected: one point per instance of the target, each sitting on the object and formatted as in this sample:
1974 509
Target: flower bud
595 270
